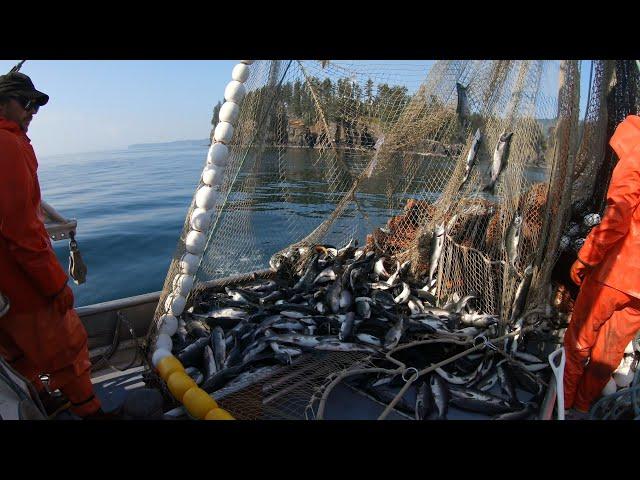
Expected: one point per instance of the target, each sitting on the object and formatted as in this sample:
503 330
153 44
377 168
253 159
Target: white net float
240 72
178 304
625 365
158 355
591 220
201 219
168 324
234 92
565 241
182 284
206 197
164 342
218 154
247 62
195 242
577 244
189 263
610 387
213 175
223 132
624 378
229 112
629 348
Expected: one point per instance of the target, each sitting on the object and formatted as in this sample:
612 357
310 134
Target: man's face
13 110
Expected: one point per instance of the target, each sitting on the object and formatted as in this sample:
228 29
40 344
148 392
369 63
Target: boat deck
112 384
128 321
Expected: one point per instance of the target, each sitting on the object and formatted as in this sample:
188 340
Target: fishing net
289 392
328 151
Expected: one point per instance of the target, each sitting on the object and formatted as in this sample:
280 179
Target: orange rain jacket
613 247
30 274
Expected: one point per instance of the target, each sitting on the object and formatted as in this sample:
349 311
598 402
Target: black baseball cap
16 83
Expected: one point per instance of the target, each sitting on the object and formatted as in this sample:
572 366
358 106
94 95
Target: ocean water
131 206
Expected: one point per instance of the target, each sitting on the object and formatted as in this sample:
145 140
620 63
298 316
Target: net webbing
325 152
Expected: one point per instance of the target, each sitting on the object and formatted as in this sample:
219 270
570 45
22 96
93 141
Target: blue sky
102 105
109 104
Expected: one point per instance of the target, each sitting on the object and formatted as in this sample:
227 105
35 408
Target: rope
116 342
424 371
613 407
635 389
609 404
402 368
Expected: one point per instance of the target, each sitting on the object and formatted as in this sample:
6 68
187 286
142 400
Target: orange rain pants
44 341
603 322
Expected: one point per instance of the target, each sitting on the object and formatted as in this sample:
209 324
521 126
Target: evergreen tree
368 91
296 104
287 93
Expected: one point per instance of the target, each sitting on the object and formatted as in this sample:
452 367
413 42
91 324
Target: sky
103 105
110 104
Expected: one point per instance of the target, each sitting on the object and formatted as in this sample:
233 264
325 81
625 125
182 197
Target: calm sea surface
131 206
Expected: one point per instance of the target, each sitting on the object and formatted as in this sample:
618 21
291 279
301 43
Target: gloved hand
63 301
579 271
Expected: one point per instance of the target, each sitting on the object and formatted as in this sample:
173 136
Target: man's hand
63 301
579 271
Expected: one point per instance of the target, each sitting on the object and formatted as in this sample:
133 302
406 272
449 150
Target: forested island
355 116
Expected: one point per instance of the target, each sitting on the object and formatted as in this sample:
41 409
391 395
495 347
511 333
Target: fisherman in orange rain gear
41 332
606 315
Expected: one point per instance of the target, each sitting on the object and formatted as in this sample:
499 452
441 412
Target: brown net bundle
328 152
474 250
560 184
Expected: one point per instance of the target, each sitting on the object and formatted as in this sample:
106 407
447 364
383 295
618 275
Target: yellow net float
169 365
198 402
218 414
178 383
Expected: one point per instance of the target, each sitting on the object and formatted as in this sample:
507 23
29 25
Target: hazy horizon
125 147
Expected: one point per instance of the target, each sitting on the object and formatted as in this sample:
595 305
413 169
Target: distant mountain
174 144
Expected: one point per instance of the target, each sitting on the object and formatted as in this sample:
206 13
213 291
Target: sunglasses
28 104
